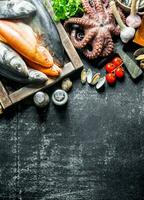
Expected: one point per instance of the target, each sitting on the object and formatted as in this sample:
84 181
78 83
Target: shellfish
89 76
95 79
83 76
101 83
66 84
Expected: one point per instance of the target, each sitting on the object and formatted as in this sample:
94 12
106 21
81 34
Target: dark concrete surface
92 149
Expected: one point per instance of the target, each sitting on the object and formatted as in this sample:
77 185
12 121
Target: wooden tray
8 98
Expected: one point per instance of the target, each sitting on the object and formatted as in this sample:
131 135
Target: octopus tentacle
116 30
99 6
109 15
81 43
113 28
97 45
88 8
97 26
80 21
122 15
108 47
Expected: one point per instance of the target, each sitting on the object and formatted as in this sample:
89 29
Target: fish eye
18 66
37 75
10 4
22 9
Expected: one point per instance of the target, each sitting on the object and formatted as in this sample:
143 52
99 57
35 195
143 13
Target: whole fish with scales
13 67
44 26
10 61
15 9
34 76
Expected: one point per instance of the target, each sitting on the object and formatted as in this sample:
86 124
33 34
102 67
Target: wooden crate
8 98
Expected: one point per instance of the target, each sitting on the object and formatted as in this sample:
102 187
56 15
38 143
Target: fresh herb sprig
64 9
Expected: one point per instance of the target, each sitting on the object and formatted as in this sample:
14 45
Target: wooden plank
69 48
31 89
4 98
1 109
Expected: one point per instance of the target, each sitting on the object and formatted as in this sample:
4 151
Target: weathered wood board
8 98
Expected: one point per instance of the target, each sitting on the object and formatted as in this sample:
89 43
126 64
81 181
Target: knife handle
131 66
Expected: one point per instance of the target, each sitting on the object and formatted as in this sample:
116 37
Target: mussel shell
95 79
140 57
89 75
101 83
139 52
83 76
142 64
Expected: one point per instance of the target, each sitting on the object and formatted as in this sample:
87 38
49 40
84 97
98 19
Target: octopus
92 33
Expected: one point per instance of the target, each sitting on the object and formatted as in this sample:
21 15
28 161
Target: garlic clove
127 34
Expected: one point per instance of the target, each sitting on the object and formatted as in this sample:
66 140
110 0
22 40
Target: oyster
66 84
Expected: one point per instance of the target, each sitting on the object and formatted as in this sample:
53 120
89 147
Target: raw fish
46 29
22 38
34 76
16 9
10 61
53 71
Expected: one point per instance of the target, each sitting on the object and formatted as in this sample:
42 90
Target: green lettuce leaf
65 9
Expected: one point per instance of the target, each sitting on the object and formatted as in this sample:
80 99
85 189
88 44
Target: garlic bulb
127 33
133 20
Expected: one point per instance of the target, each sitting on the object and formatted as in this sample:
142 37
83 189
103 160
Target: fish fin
39 38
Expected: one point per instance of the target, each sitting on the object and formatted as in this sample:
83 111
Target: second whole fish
34 76
13 67
16 9
10 61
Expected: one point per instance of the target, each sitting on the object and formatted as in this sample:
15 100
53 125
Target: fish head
37 76
19 66
24 7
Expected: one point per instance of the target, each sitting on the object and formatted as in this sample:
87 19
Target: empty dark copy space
90 149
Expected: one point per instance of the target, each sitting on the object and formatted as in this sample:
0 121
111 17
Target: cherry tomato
109 67
111 78
117 61
119 72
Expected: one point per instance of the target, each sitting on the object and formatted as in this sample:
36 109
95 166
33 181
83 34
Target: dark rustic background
93 148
